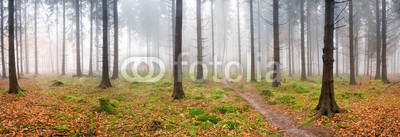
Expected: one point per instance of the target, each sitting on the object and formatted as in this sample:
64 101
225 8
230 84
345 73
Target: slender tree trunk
337 51
116 52
20 38
105 80
258 70
384 44
277 73
378 41
351 39
14 87
36 48
63 42
3 63
77 31
178 89
253 69
16 40
289 39
91 40
327 104
97 37
213 38
57 48
303 59
238 27
200 76
173 21
26 38
309 44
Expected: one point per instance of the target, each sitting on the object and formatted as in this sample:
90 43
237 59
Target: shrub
195 111
232 125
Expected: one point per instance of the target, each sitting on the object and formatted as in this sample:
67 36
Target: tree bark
57 52
36 48
277 74
337 51
351 45
13 82
178 89
20 39
3 62
63 42
116 49
303 59
238 28
309 43
378 42
200 75
384 44
105 80
77 33
327 104
213 38
253 69
91 39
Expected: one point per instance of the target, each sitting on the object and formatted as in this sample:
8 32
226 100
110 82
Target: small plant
267 93
195 111
232 125
285 100
57 83
217 91
213 119
106 106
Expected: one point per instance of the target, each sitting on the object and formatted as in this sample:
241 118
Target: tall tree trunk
77 31
16 39
303 59
91 39
20 38
238 28
253 67
213 38
309 43
105 80
378 41
14 87
258 70
384 44
351 45
277 73
97 37
3 63
26 38
116 52
200 76
57 51
327 104
337 52
173 21
178 89
63 42
36 48
289 40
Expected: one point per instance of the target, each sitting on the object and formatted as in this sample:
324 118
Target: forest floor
209 109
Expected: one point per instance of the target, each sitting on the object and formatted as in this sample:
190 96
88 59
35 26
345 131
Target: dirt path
277 119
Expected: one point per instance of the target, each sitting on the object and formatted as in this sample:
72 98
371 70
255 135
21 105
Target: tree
213 37
36 42
63 41
91 39
378 42
200 76
3 63
277 74
77 31
327 104
105 80
14 87
178 89
238 28
303 59
351 45
115 69
253 69
384 44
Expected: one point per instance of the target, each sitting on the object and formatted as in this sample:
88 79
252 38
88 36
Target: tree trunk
378 42
253 69
3 63
77 31
309 44
97 45
213 39
351 45
14 87
178 89
105 80
327 104
116 52
91 40
36 48
238 28
63 42
289 40
57 56
20 39
303 59
384 44
277 74
16 39
337 52
200 76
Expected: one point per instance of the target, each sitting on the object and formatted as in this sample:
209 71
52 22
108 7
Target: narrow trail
277 119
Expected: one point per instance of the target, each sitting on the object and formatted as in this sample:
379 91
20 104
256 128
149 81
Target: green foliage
62 128
57 83
106 106
232 125
21 93
217 91
351 95
212 118
198 85
224 110
300 89
285 100
195 111
267 93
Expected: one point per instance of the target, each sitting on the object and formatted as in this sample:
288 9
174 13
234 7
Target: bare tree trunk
378 42
20 38
327 104
77 31
63 42
238 27
200 76
105 80
337 51
91 39
289 40
253 69
16 39
351 45
3 63
14 87
97 45
178 89
277 73
213 38
303 59
36 48
384 44
57 57
309 43
116 52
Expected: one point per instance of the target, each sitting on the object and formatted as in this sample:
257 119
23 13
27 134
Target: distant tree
105 80
238 28
200 76
178 89
303 59
327 104
91 39
77 31
115 69
253 69
351 45
277 74
384 44
378 41
3 63
36 39
213 37
63 40
14 87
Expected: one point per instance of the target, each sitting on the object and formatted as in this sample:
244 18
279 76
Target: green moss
213 119
195 111
57 83
285 100
105 106
217 91
232 125
267 93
